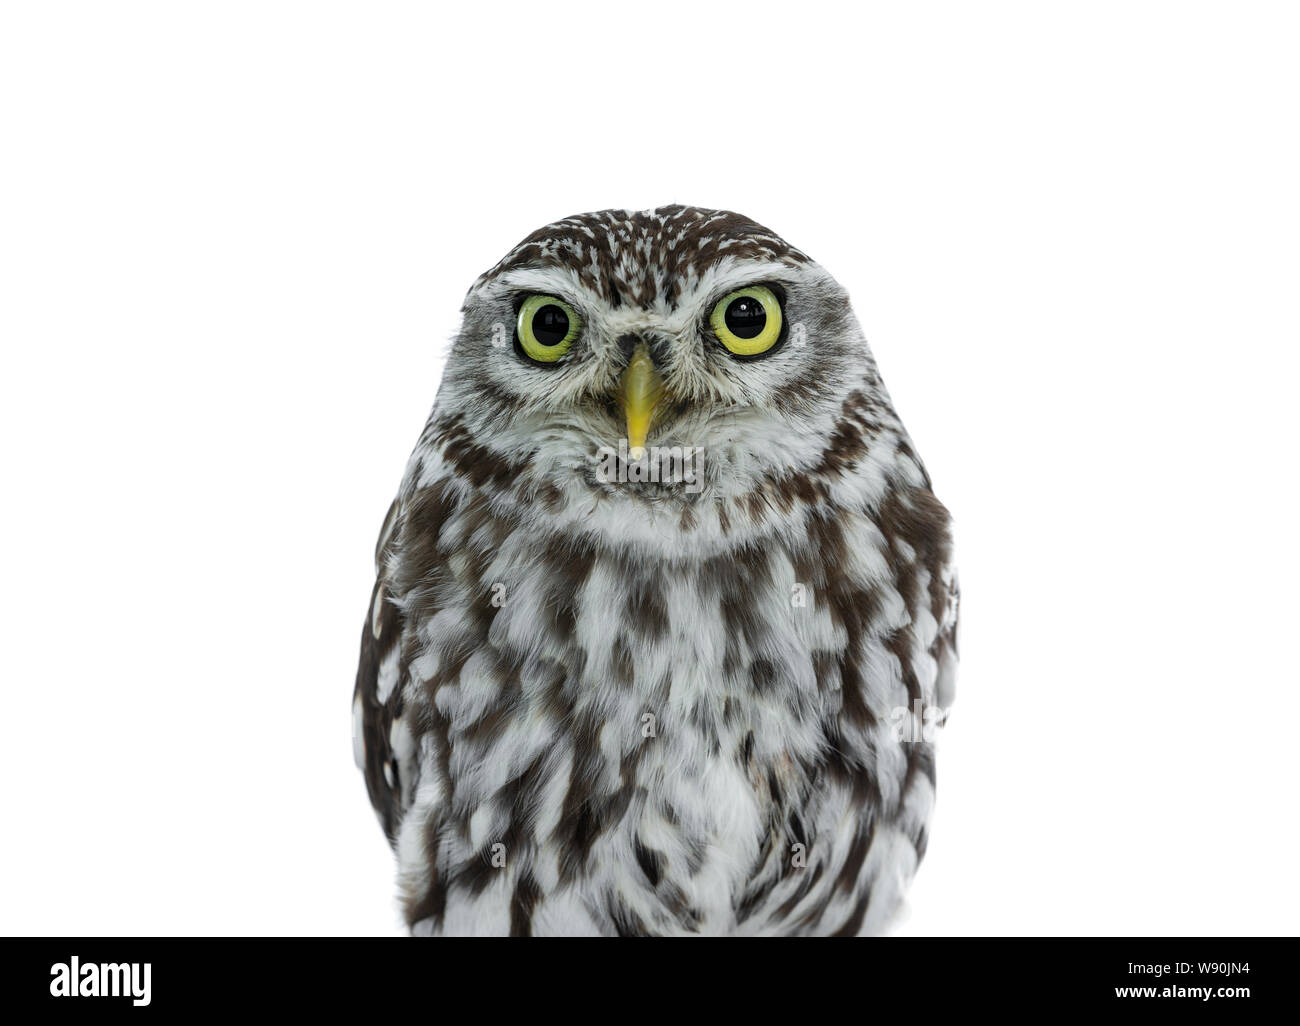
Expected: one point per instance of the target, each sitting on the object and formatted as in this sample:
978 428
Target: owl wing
377 702
944 648
919 528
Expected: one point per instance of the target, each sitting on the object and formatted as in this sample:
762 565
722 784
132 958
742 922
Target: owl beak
640 390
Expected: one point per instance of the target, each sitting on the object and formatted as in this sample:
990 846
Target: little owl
665 613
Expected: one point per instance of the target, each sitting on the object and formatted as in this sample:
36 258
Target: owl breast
595 738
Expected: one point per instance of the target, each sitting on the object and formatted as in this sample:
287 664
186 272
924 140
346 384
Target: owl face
672 328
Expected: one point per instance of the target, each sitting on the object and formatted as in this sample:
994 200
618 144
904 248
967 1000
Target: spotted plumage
591 704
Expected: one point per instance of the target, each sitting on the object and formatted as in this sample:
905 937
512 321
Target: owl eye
748 322
546 328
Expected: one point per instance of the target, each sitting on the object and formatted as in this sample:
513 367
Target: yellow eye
748 322
546 328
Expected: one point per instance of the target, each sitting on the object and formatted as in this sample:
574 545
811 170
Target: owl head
645 333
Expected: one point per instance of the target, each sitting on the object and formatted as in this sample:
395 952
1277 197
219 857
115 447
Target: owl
665 611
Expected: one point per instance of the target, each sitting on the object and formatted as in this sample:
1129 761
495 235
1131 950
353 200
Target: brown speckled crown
638 258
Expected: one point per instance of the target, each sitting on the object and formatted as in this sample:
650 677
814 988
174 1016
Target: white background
234 238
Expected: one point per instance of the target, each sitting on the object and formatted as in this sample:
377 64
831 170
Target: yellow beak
641 390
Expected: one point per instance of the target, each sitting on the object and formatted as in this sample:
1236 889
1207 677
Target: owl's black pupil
550 325
745 317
